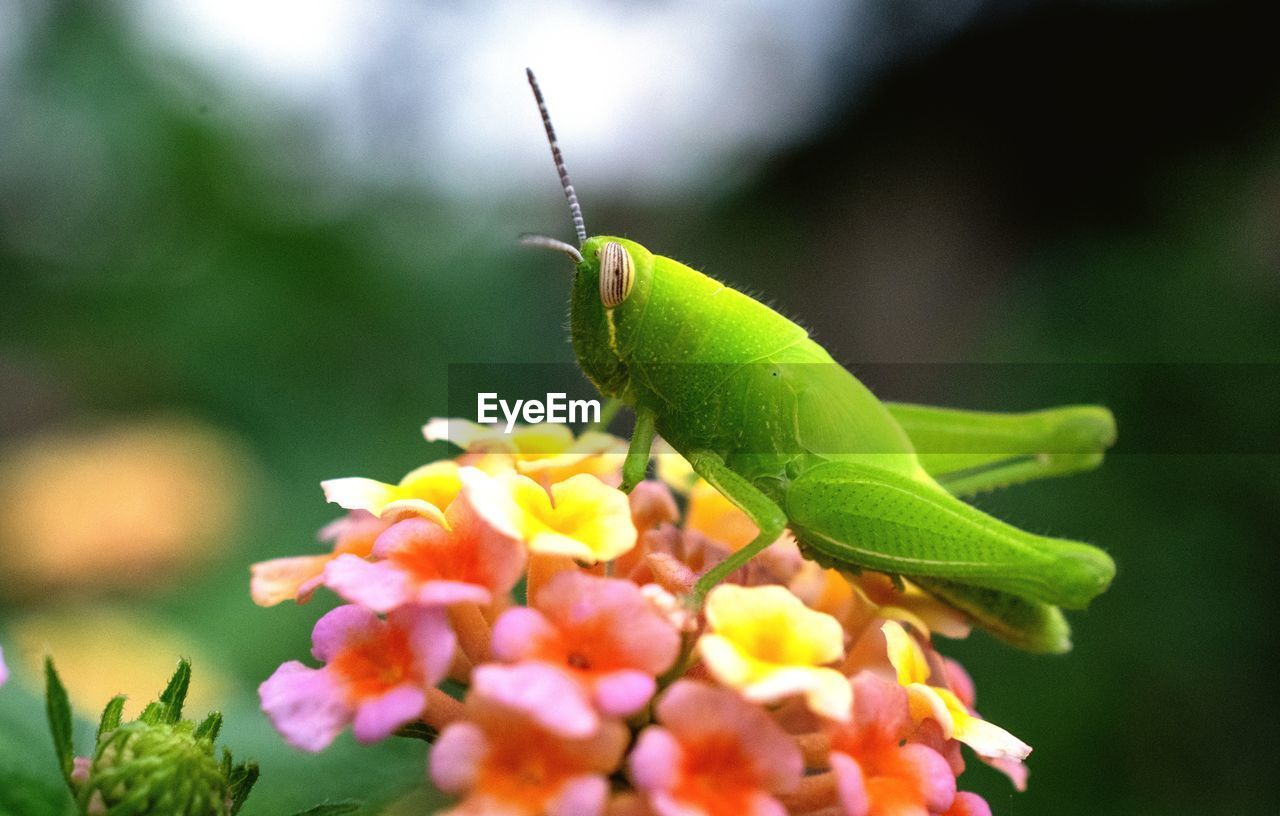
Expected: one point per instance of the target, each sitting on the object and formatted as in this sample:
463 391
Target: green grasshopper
767 417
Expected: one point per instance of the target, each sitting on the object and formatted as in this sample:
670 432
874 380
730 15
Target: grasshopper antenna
545 242
574 207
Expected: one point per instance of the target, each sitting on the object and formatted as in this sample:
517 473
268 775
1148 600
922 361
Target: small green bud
154 768
157 765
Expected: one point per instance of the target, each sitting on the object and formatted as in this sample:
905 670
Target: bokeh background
241 242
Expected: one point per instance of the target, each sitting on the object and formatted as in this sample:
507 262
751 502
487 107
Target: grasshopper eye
617 274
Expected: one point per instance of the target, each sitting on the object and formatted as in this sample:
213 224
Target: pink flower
4 670
602 634
499 760
877 772
543 692
377 675
477 557
713 754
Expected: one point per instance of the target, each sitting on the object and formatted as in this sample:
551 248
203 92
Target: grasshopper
767 417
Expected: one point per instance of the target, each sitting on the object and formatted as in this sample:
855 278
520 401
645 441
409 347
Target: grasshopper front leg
637 461
970 452
764 513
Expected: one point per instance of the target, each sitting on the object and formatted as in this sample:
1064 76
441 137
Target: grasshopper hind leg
857 515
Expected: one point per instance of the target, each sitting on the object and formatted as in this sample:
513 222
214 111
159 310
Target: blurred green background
239 247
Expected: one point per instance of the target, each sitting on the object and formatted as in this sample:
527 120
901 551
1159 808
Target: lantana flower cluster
539 624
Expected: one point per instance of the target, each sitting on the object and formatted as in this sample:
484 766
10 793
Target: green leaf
241 781
417 730
153 714
111 715
210 727
175 694
454 689
58 709
331 809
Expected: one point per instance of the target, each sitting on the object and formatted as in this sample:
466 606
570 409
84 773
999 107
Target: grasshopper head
611 286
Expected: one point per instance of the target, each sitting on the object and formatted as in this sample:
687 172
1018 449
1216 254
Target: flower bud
143 767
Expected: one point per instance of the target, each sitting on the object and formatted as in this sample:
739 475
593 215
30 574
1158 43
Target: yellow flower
424 492
941 704
548 453
765 643
582 517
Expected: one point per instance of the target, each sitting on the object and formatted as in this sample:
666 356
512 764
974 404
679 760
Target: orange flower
473 557
298 577
713 754
878 771
499 760
374 506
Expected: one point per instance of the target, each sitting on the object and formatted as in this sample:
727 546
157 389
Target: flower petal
282 579
339 625
517 630
359 493
378 498
773 624
431 638
968 804
584 795
764 642
987 739
378 717
655 759
457 756
623 693
542 692
826 691
851 785
378 586
905 654
582 517
467 435
305 705
929 775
